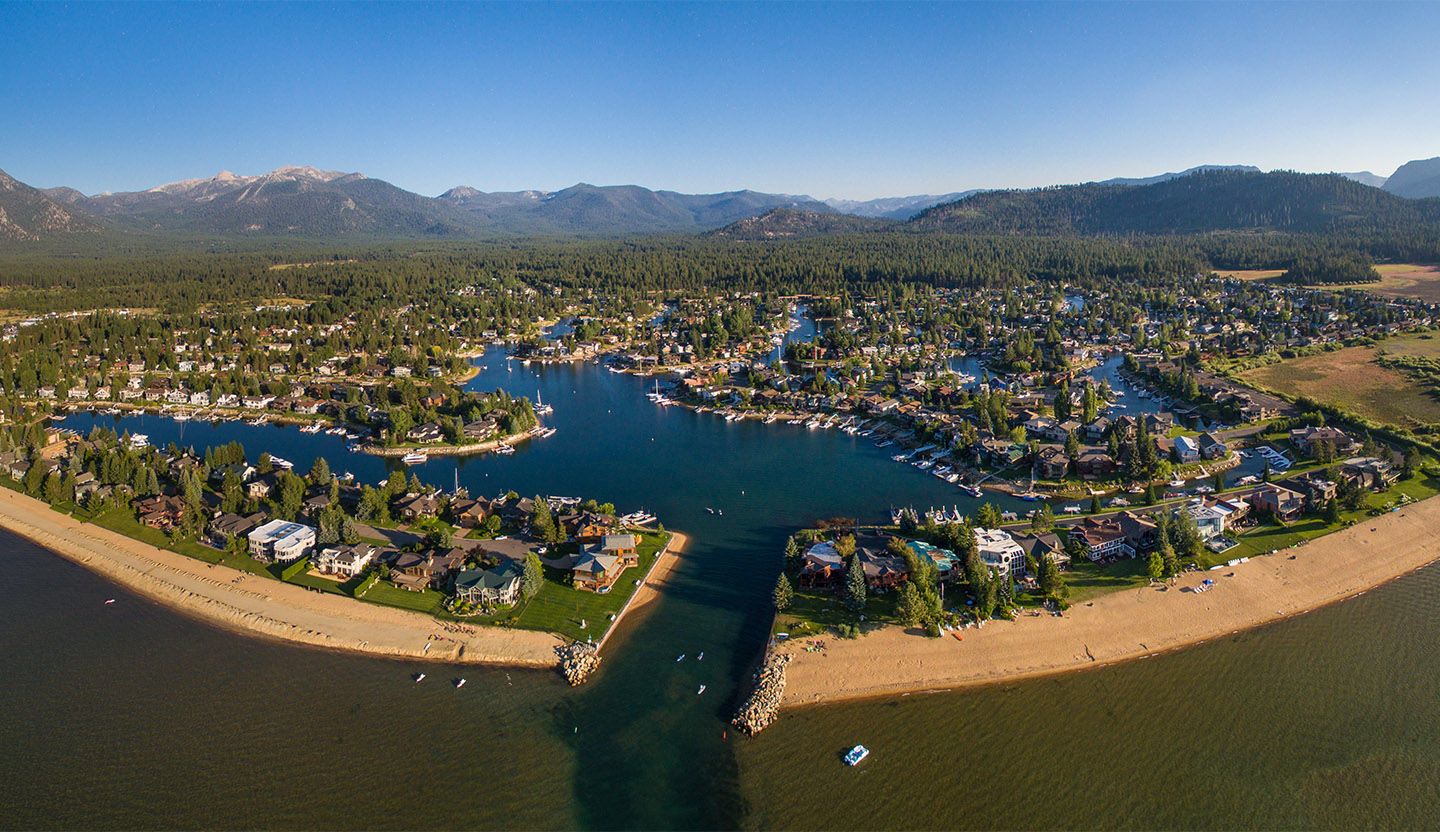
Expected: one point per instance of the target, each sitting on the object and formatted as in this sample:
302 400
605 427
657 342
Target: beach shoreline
1124 626
654 583
252 605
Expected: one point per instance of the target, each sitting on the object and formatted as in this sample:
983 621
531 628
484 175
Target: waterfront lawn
559 608
1089 580
387 594
815 612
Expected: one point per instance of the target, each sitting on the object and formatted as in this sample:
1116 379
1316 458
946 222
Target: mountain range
308 203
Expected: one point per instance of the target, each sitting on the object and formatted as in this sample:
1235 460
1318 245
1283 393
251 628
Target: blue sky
833 100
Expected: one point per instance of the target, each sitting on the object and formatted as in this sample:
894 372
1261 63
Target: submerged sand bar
241 601
1124 625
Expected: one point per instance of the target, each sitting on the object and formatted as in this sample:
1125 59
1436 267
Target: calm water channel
132 716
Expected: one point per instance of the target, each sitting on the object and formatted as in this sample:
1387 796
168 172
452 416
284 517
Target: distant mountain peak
1416 180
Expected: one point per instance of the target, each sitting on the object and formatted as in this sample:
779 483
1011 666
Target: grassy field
815 612
1251 274
1352 379
1408 280
560 608
390 595
1418 345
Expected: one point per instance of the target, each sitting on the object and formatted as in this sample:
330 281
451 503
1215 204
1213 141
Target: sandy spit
1124 625
251 604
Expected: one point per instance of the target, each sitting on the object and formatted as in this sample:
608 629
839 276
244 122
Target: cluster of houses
1004 552
1130 533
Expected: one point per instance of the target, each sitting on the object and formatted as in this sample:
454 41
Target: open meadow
1408 280
1353 379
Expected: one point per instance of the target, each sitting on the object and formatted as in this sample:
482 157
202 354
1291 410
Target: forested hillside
1206 201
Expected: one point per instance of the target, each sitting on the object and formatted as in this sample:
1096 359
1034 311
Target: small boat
682 658
420 677
700 691
460 684
856 754
701 657
414 458
110 601
505 450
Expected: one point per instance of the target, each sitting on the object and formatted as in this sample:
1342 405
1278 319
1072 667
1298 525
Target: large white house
999 550
342 559
282 541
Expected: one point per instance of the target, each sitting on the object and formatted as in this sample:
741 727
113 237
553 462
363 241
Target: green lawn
813 612
390 595
560 608
1089 580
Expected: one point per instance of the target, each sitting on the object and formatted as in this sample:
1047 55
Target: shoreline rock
763 704
577 661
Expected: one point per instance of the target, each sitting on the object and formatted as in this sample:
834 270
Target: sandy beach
659 577
1124 625
655 582
249 603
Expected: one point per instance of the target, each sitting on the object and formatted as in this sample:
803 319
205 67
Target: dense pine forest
370 276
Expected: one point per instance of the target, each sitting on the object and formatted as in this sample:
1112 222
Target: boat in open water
855 755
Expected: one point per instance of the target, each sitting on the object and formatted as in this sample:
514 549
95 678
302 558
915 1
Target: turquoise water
132 716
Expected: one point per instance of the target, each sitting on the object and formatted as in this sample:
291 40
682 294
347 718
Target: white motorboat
414 458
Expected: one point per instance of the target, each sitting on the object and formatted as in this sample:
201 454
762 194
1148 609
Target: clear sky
844 100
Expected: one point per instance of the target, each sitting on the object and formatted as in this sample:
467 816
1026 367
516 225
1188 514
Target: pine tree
909 607
792 555
534 576
783 594
854 584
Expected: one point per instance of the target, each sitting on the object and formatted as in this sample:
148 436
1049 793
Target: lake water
133 716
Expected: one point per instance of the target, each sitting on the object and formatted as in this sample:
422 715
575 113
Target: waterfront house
410 570
1042 546
822 567
1095 463
345 560
1369 472
85 485
418 507
1317 490
442 565
1208 519
427 433
1052 463
1283 503
1212 446
479 429
1000 552
622 546
491 587
281 541
227 527
468 513
1103 538
1186 450
883 571
161 512
595 572
589 527
946 563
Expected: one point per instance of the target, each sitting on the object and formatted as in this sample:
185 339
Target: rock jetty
760 708
578 661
